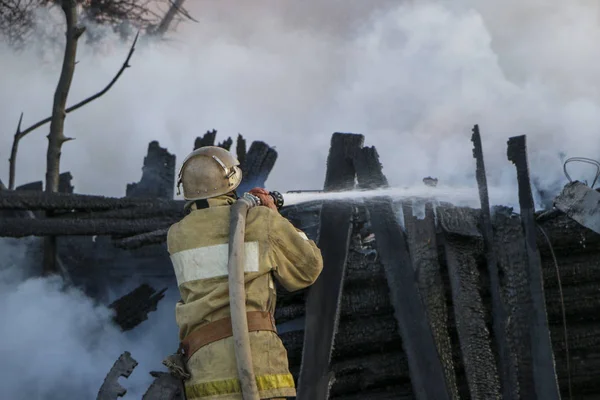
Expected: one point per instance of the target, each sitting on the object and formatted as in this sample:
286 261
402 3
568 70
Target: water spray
459 196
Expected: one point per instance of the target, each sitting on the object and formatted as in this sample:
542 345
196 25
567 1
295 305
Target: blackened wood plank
426 370
257 166
544 369
508 376
208 139
20 227
422 245
469 314
512 262
324 297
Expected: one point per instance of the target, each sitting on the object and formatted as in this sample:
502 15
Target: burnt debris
133 308
581 203
158 175
391 296
111 389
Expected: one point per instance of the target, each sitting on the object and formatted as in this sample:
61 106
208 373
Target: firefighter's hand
265 198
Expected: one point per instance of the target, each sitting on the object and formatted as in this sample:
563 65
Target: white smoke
56 343
413 77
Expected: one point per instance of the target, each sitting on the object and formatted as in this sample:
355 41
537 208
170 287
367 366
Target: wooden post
323 302
512 261
544 370
426 370
508 374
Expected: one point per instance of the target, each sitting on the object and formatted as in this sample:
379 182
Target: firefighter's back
198 245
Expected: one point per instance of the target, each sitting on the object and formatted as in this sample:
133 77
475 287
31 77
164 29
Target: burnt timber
426 371
368 359
323 300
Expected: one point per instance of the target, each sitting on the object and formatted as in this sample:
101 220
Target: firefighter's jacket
198 245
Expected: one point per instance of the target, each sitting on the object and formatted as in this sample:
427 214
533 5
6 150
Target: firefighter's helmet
207 172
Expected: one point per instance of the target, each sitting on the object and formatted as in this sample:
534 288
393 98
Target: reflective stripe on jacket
198 245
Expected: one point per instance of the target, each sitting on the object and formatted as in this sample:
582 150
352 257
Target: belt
221 329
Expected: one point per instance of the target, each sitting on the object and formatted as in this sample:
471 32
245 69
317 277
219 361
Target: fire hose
237 291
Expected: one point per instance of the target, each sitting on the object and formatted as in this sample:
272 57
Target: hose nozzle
277 198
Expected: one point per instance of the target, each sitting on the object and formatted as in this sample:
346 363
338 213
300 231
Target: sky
413 77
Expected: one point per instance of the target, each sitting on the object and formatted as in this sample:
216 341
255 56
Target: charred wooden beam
19 227
512 260
581 203
226 144
544 370
207 140
357 374
257 166
469 314
172 209
158 176
64 183
356 337
143 239
422 245
111 389
133 308
461 221
427 372
37 186
508 375
29 200
362 297
240 149
322 304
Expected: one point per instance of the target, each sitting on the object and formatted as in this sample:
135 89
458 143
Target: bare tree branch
20 134
13 155
56 137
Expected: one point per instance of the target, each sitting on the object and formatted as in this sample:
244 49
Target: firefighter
198 246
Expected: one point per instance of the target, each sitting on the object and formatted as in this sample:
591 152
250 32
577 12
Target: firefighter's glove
265 198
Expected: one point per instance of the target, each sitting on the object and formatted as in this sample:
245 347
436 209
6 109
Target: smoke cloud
56 343
413 77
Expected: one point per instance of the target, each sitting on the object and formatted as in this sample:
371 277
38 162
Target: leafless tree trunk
20 134
56 137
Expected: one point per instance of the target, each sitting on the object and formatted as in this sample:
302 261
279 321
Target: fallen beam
506 368
422 244
323 301
426 369
544 370
580 203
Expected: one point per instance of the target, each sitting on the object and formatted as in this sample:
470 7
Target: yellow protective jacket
198 245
